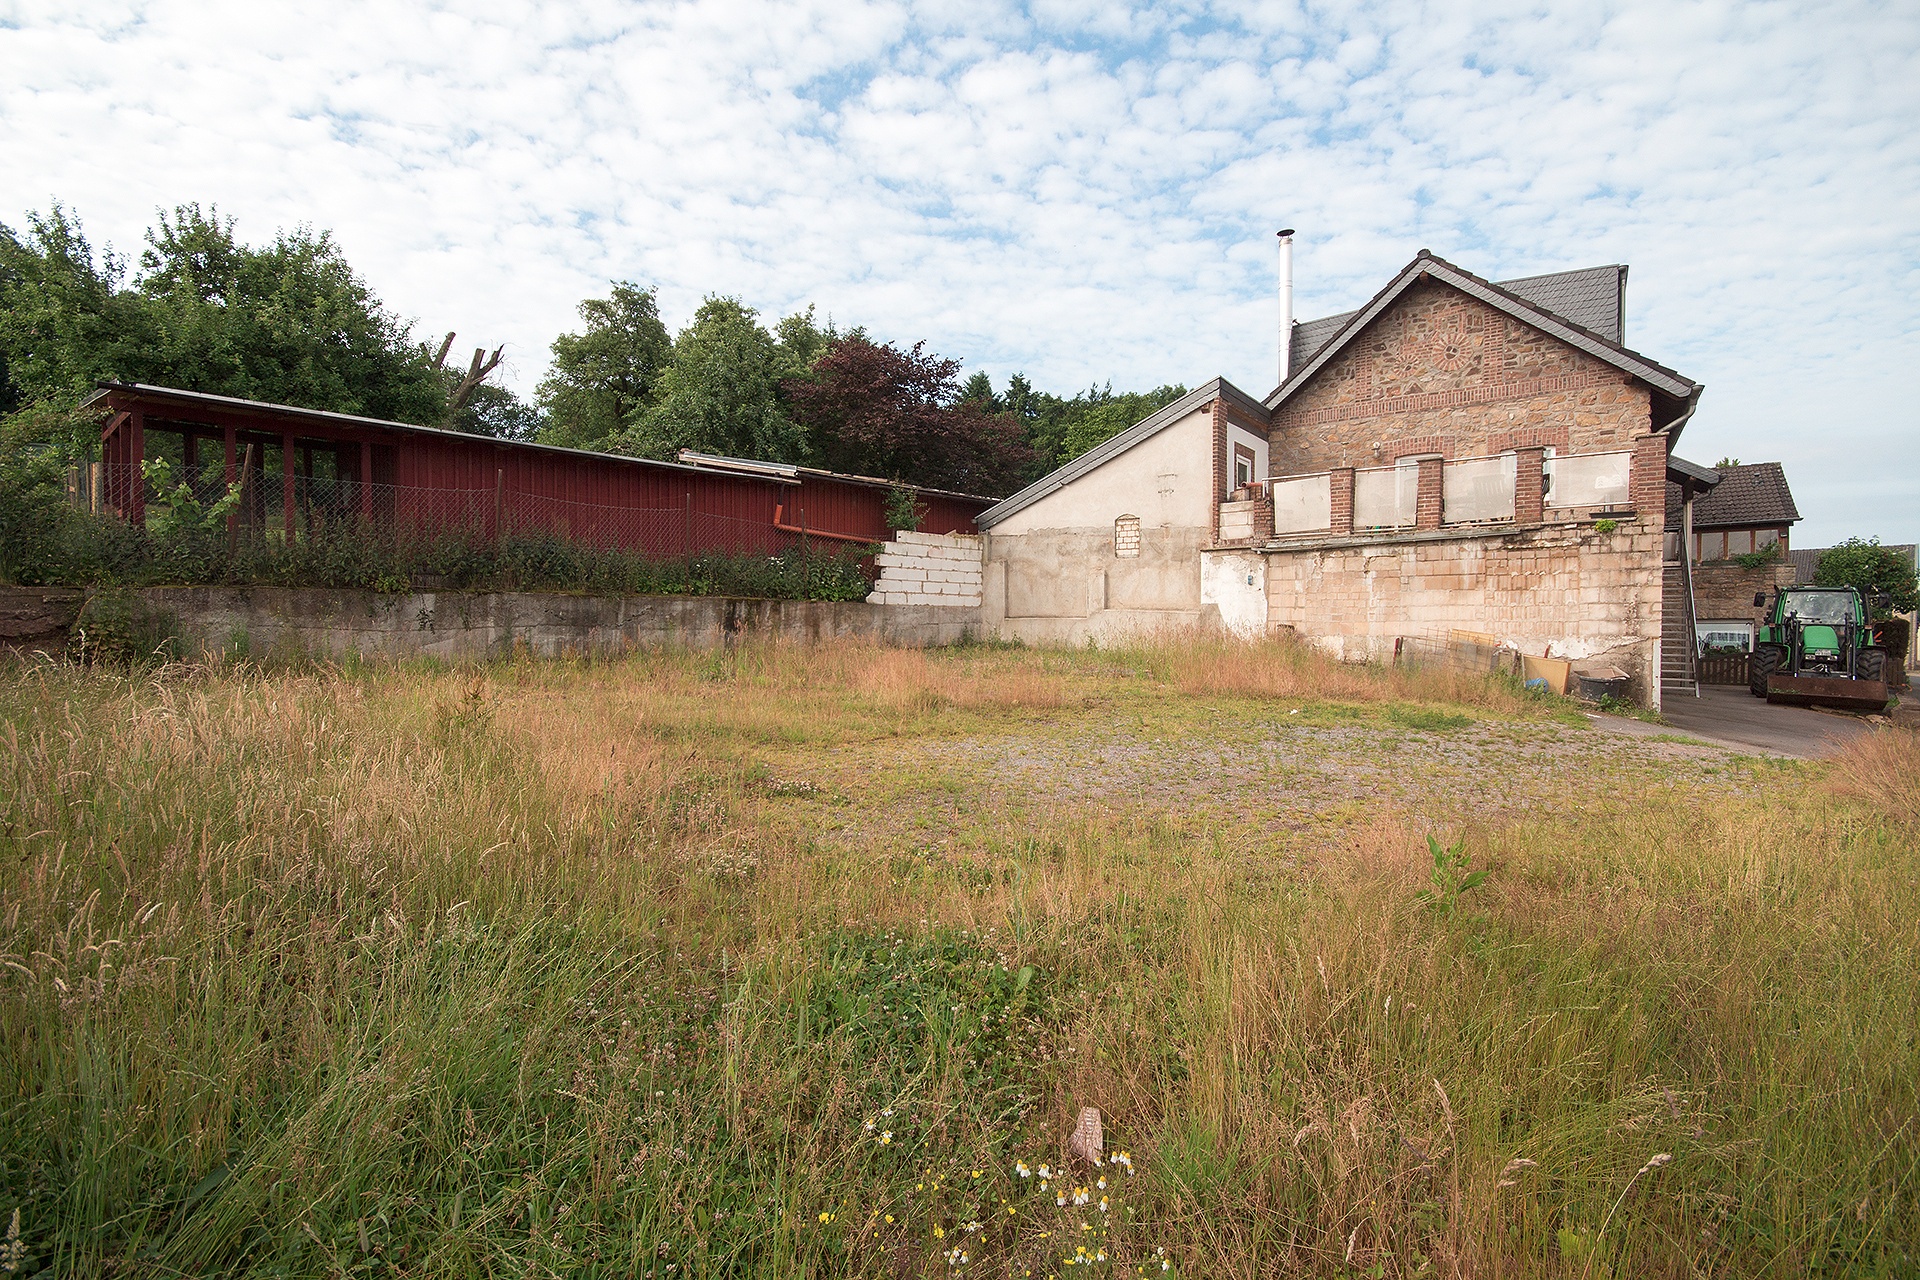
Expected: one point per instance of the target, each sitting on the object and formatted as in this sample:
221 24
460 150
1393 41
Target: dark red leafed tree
873 409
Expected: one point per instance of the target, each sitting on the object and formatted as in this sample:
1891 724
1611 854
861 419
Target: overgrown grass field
802 962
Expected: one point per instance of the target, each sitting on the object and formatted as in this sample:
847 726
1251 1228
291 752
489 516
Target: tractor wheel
1871 664
1761 663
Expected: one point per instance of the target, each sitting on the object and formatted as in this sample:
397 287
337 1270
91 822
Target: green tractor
1817 647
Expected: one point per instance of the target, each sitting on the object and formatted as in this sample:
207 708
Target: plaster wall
1165 480
1052 571
1235 584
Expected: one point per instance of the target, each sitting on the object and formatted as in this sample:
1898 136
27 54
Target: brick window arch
1126 537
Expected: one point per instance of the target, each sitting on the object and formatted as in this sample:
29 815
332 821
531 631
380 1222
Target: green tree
978 390
605 378
290 323
721 393
287 322
1862 563
66 322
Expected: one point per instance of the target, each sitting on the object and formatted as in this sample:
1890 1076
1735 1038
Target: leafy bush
44 541
1865 565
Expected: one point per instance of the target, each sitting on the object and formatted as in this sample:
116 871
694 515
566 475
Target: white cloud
1082 191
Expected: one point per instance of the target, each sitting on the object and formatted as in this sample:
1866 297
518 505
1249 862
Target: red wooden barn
302 469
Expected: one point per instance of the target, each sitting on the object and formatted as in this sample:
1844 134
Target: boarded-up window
1386 497
1126 537
1589 480
1302 504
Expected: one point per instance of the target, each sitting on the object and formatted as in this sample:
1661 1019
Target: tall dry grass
553 969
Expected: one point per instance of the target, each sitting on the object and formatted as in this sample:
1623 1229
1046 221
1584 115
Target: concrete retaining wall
475 624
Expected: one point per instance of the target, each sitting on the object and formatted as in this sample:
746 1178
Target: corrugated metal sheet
425 479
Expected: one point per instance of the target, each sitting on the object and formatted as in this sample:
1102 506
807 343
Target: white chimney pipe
1286 305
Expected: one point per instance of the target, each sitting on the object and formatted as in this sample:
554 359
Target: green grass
607 968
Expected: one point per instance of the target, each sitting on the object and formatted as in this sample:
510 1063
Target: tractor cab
1817 647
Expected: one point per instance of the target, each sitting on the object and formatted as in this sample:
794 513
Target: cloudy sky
1080 191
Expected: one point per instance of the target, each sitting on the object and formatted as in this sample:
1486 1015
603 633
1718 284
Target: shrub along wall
44 542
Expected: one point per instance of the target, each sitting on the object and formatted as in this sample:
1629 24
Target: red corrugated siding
462 481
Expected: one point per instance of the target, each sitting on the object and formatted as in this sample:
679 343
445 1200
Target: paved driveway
1735 717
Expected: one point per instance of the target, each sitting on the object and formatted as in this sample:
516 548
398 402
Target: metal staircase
1679 651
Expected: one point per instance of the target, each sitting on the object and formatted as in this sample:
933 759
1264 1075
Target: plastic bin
1596 685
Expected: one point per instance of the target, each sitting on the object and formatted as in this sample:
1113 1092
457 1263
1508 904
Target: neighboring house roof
1060 477
1751 496
1426 266
1593 298
1805 562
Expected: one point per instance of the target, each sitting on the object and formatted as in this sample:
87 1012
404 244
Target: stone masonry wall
1723 591
941 569
1444 373
1558 590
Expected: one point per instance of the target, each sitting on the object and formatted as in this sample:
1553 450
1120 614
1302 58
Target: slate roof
1595 298
1751 496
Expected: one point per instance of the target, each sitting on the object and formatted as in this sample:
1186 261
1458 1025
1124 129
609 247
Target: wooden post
190 458
136 479
499 505
306 490
286 484
366 482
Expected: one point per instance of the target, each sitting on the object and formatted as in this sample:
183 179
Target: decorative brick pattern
1407 448
1340 482
1441 372
1529 487
929 568
1529 437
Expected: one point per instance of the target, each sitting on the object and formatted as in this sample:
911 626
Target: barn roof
194 406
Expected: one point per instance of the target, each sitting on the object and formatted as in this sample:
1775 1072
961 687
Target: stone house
1456 456
1738 540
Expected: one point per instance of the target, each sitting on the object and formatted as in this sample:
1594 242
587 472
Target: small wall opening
1126 537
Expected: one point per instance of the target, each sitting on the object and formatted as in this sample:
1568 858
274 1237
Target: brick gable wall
1440 372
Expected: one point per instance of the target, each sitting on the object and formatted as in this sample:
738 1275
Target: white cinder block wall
929 568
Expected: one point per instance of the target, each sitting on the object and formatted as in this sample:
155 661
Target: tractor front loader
1817 648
